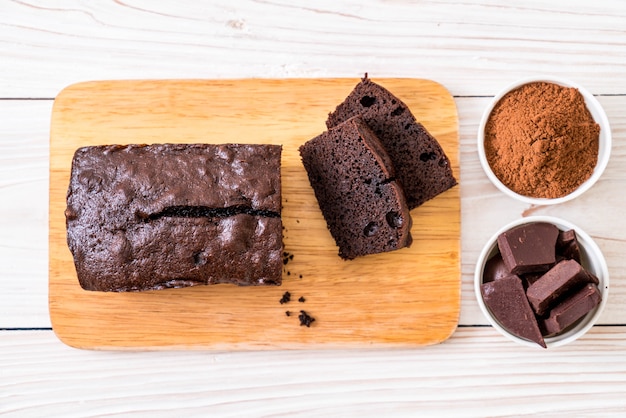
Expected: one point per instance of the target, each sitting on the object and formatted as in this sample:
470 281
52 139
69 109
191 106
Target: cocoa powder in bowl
541 140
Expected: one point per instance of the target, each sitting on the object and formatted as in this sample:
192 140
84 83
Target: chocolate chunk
495 269
567 245
530 278
529 248
592 278
507 301
571 310
564 277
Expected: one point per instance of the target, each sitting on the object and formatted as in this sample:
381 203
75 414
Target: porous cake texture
422 168
355 186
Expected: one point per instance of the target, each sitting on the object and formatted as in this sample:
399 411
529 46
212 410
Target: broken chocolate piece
571 310
559 290
564 277
592 278
529 248
507 301
567 245
495 269
530 278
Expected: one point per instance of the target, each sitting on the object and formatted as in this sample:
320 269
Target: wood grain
474 47
475 373
409 297
24 179
24 133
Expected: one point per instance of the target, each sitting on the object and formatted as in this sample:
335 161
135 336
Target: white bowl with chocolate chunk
541 281
544 140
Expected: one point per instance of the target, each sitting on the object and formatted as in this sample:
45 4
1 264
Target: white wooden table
472 47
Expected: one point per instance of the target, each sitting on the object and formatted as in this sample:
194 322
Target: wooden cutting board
409 297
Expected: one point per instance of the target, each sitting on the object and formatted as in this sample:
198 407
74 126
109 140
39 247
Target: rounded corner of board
443 88
450 332
62 337
80 85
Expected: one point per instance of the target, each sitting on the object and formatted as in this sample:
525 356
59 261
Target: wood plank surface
24 183
24 139
409 297
472 47
475 373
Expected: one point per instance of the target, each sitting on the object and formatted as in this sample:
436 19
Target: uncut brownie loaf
422 167
353 180
147 217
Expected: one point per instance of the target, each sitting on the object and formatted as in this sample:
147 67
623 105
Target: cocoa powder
541 140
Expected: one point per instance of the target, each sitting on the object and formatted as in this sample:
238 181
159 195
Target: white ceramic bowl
592 260
604 151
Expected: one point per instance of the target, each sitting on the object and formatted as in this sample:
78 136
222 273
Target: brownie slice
422 167
143 217
354 183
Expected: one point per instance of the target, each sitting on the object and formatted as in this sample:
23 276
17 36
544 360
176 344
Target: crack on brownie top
206 212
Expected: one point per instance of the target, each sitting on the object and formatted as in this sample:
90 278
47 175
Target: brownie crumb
286 298
300 276
288 313
287 257
305 319
302 299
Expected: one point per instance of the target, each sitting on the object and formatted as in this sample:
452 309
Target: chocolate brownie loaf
353 180
145 217
422 167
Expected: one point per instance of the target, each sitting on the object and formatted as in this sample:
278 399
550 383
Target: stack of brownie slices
370 168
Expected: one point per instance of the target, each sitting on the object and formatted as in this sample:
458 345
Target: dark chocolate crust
147 217
353 180
422 167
